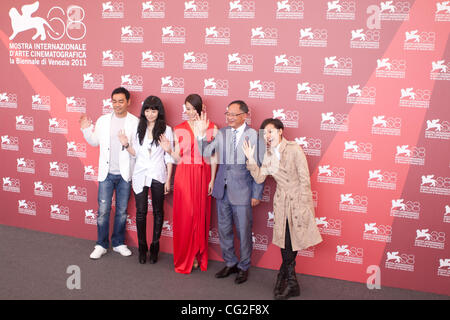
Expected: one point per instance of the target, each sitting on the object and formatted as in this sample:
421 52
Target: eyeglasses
232 115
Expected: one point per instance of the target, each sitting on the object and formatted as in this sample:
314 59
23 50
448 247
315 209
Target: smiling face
272 135
120 104
151 115
190 111
235 116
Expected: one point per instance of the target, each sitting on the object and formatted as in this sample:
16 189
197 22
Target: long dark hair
196 101
154 103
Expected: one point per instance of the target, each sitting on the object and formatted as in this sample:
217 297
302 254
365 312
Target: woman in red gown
194 180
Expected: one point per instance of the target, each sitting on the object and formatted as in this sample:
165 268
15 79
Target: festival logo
151 59
196 9
387 68
437 129
442 13
347 254
440 70
310 37
241 9
26 165
290 10
334 66
8 100
75 193
90 173
153 10
311 146
260 241
132 82
195 61
59 212
39 102
419 41
334 122
217 35
215 87
433 184
240 62
10 143
410 155
261 89
382 180
357 151
112 58
11 184
402 209
394 11
289 117
330 227
76 150
358 95
26 207
76 104
400 261
43 189
415 98
24 123
264 36
172 85
353 203
113 10
311 92
377 232
287 64
386 126
341 10
93 81
42 146
173 35
430 239
365 39
333 175
57 125
58 169
90 217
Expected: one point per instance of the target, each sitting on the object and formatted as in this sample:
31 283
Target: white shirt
100 135
151 161
239 132
117 124
276 150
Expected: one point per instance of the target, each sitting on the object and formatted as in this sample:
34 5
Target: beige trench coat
293 196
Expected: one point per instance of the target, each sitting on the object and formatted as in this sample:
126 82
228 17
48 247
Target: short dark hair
273 121
121 90
242 105
196 101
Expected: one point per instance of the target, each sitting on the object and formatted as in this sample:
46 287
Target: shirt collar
241 128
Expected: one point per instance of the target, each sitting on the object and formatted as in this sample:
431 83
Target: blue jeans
105 193
241 217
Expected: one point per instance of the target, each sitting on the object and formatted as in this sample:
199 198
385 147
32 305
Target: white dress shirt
239 132
151 161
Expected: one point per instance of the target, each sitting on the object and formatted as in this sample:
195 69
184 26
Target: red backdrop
362 86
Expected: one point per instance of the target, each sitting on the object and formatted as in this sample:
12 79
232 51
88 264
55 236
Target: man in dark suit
234 188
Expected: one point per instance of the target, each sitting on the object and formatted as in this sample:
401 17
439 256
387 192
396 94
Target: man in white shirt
114 170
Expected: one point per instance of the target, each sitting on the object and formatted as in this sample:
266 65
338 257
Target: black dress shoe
241 276
225 272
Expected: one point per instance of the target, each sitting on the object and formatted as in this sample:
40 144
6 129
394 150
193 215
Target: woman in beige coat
294 222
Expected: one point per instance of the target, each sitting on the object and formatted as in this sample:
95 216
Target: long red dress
191 203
